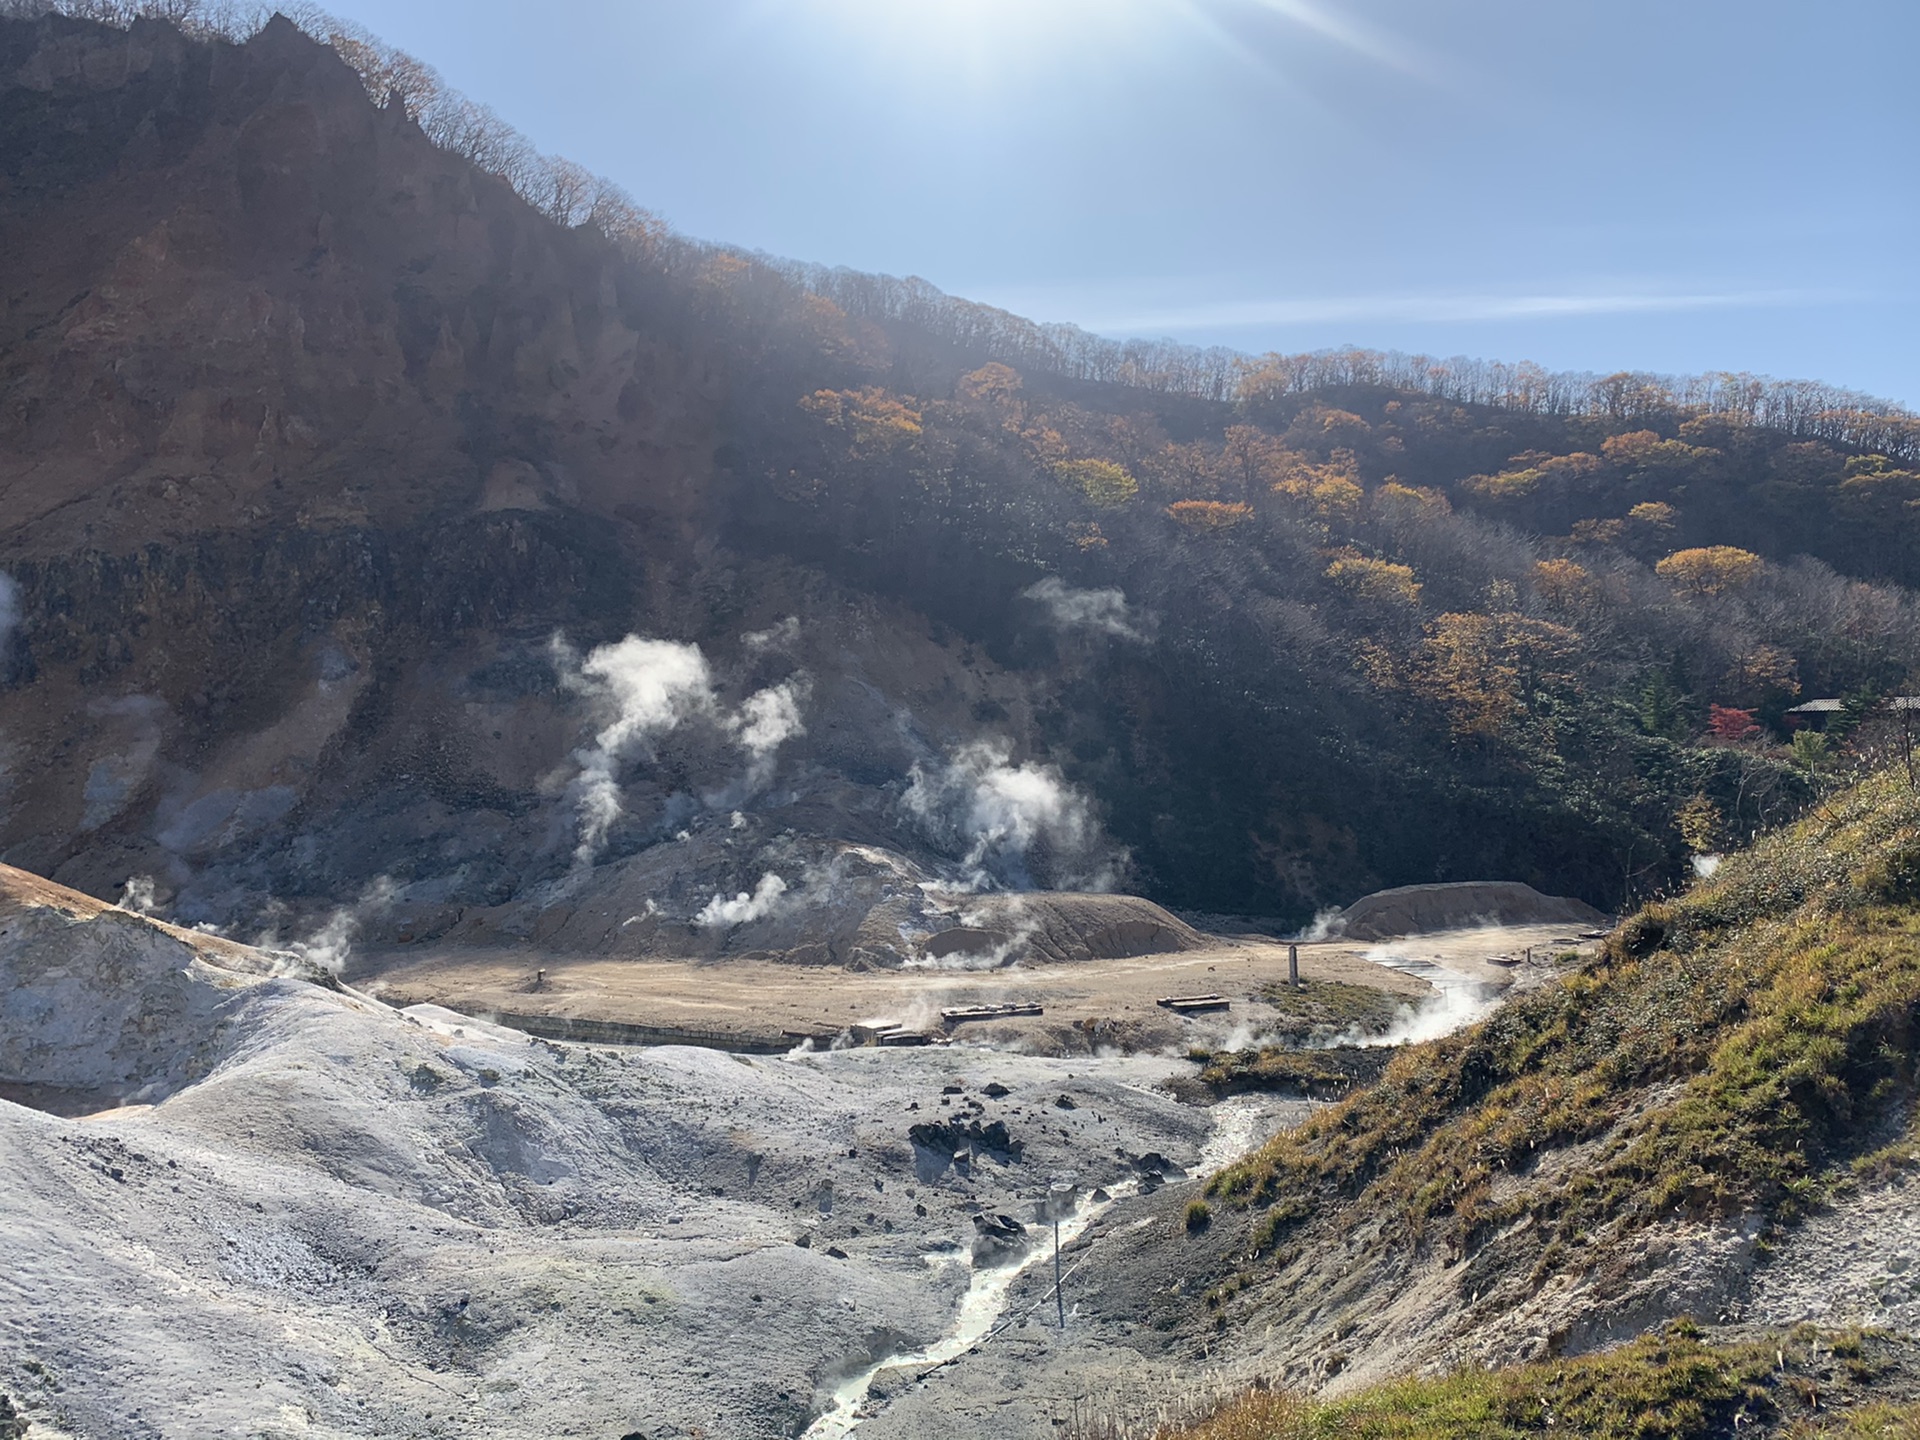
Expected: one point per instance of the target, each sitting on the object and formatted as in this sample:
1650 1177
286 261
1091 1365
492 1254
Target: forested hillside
1295 627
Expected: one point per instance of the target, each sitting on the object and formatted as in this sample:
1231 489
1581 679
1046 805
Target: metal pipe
1059 1300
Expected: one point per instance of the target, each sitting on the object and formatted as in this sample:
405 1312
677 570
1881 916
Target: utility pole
1059 1196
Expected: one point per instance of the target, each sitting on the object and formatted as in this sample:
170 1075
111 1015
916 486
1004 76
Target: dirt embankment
1425 909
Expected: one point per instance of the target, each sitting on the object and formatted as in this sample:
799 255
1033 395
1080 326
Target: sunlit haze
1593 184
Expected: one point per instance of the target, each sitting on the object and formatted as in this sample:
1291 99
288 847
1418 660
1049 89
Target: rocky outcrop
99 1002
242 296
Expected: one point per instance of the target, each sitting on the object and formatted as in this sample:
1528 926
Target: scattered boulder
997 1238
950 1138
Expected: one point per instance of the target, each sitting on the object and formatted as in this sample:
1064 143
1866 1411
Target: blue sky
1673 185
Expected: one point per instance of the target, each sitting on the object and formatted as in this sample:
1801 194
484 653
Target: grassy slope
1745 1049
1725 1054
1667 1387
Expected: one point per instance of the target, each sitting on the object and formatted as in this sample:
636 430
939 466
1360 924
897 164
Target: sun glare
988 38
991 41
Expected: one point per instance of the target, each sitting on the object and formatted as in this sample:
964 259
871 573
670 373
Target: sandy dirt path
1113 1000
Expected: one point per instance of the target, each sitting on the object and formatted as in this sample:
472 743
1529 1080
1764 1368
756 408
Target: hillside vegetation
1614 1151
1296 627
1668 1387
1731 1050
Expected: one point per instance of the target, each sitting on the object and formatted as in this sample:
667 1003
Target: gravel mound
1422 909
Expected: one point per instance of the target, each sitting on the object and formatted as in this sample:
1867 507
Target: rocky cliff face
366 536
313 438
241 296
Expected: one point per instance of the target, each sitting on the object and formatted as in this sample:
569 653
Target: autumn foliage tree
1486 671
1102 482
871 420
1711 569
1729 723
1209 514
1374 581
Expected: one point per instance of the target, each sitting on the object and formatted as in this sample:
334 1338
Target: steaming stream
1458 1000
1235 1123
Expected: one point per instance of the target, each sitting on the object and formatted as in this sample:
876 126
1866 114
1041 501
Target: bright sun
988 36
988 41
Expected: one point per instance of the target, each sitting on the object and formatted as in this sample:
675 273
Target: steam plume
649 686
139 895
743 908
774 637
767 720
1000 814
328 947
1105 611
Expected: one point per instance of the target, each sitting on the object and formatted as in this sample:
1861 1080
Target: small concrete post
1293 966
539 979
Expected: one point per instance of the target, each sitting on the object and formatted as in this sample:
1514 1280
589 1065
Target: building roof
1830 707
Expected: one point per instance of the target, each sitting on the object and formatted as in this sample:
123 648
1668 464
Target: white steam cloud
1327 924
648 688
139 895
774 637
766 721
327 948
1004 815
1455 1001
1105 611
9 608
764 900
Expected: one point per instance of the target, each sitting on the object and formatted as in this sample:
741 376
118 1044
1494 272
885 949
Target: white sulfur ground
343 1220
238 1203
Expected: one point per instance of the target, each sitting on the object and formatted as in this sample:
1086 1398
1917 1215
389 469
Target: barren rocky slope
240 1202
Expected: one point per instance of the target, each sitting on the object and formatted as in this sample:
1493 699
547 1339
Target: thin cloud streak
1361 39
1450 309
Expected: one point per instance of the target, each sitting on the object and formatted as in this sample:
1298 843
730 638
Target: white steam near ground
1000 815
1327 925
1455 1001
774 637
648 688
139 895
327 947
765 900
1104 611
766 720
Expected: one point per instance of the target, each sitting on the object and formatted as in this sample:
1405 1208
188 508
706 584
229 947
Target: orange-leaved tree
1485 670
995 389
1331 491
872 421
1711 569
1564 584
1209 514
1374 581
